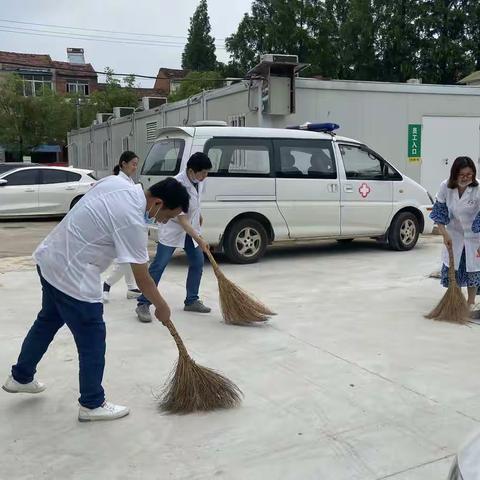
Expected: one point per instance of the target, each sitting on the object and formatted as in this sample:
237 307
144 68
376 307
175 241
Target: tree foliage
196 82
387 40
199 54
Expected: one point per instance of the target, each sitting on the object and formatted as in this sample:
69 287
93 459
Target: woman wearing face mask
126 168
456 212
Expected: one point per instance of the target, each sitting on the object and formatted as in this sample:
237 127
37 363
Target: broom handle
212 261
451 267
173 331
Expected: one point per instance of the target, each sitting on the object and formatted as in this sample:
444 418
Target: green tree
472 12
196 82
276 26
398 38
199 54
113 95
26 122
357 42
443 52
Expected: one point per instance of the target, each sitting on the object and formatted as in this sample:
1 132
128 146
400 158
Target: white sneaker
12 386
134 293
106 297
108 411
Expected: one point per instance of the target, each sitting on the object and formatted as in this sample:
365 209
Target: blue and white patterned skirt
464 278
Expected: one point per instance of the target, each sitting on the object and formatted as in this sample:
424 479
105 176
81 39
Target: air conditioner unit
152 102
279 58
119 112
103 117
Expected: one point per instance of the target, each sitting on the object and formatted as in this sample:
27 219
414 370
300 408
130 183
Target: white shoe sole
132 296
104 419
21 391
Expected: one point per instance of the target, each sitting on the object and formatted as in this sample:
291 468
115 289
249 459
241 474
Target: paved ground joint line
350 362
415 467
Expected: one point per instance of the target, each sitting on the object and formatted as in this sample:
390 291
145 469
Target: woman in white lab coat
456 212
126 168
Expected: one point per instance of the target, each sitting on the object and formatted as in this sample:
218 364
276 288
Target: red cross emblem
364 190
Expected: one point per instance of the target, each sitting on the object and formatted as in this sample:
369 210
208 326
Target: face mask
194 180
464 184
151 220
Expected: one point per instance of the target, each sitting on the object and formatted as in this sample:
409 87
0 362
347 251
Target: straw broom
192 387
452 307
238 307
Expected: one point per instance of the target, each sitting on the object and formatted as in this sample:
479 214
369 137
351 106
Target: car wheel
75 201
404 232
245 241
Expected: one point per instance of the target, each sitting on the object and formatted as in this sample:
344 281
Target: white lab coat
172 233
462 212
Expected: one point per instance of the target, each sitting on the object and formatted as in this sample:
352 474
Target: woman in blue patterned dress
456 212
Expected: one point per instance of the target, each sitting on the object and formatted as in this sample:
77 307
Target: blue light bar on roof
316 127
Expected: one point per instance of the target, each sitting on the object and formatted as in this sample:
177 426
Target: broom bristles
452 307
238 307
193 388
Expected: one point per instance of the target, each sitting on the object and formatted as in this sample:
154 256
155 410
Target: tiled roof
26 59
172 73
66 68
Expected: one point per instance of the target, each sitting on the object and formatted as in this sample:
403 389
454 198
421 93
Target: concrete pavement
348 382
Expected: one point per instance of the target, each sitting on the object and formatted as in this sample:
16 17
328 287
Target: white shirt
125 177
172 233
462 212
107 223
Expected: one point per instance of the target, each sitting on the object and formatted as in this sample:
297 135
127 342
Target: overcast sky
159 17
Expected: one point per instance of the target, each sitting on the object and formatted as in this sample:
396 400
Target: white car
42 191
286 185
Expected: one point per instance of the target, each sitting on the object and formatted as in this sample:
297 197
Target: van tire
404 232
245 241
75 201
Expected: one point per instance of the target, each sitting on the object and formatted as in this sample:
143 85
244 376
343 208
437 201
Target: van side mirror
3 182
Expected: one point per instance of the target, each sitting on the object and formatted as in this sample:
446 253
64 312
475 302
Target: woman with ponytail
126 168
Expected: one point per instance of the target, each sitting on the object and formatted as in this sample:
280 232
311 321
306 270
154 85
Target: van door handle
348 189
332 188
29 189
69 188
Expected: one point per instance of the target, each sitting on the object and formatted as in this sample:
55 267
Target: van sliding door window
164 157
239 157
305 159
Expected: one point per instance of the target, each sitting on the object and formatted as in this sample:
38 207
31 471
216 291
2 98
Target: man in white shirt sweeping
108 222
183 232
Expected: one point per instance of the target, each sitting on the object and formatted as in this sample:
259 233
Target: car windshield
164 157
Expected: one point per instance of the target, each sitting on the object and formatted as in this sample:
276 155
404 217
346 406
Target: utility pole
78 112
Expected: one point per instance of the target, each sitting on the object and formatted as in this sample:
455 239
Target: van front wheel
404 232
245 241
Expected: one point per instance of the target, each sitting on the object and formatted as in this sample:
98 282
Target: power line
97 30
92 38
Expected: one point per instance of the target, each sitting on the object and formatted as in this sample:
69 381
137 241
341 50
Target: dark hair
172 192
125 157
199 161
459 164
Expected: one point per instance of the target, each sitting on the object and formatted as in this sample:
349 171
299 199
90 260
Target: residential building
40 72
169 79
